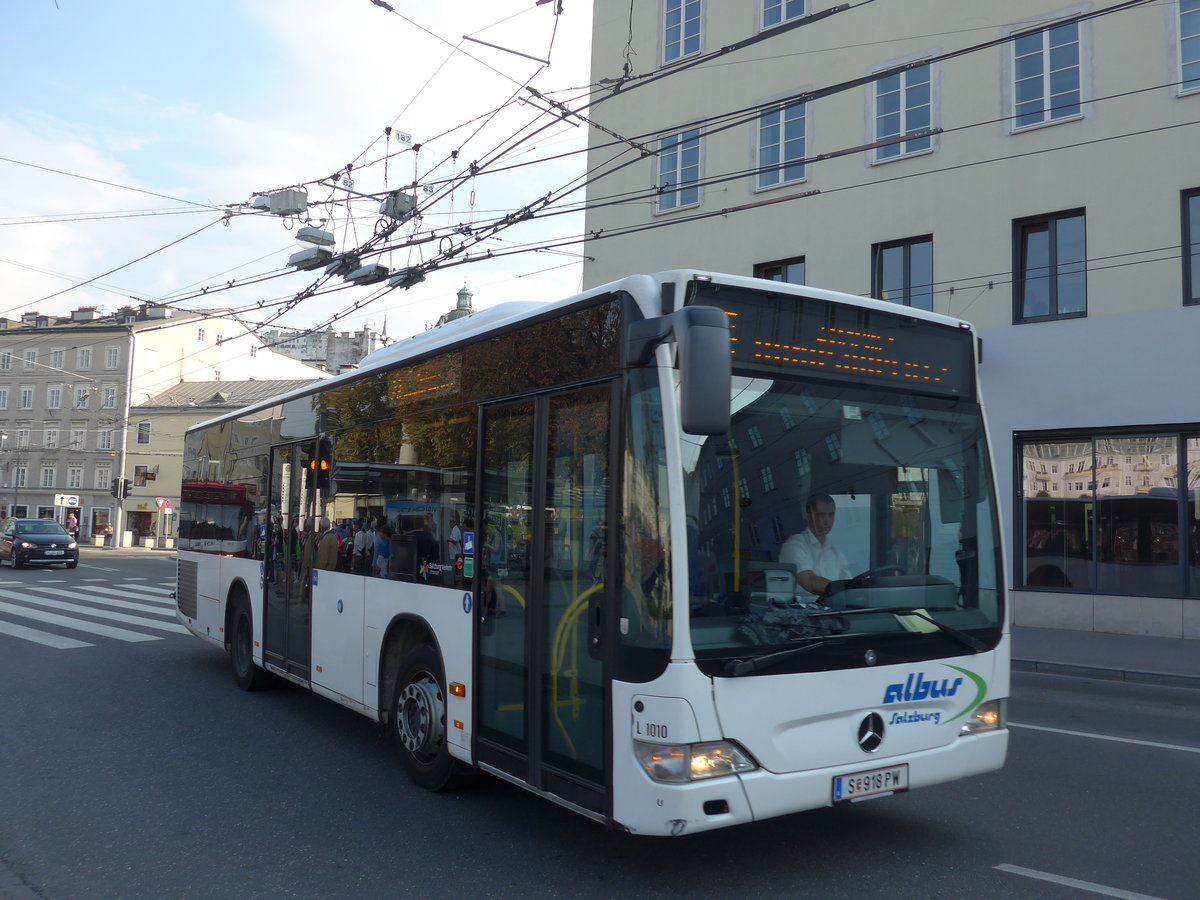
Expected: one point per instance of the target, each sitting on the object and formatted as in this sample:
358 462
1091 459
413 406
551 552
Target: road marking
97 613
41 637
109 601
143 595
1075 883
120 634
1107 737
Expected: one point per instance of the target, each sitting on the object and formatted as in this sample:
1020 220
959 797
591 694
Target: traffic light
320 466
115 490
125 486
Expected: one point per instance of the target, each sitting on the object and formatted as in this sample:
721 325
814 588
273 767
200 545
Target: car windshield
885 496
40 528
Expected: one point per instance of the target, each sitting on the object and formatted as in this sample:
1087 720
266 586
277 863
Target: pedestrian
73 526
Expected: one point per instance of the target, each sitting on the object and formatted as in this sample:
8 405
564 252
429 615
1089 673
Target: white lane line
1101 889
1107 737
131 595
95 613
91 597
41 637
120 634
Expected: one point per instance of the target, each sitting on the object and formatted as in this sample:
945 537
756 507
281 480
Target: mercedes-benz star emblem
870 733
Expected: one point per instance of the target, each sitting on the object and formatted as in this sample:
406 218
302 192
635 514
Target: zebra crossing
68 615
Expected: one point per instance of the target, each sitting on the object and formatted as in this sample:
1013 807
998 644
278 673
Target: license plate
55 552
873 783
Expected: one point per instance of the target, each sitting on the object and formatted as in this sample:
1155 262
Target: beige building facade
69 391
1028 166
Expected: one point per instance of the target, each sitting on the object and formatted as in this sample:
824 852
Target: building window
1191 241
143 432
109 398
30 360
902 272
781 145
1051 267
743 489
1046 77
104 439
754 433
1189 45
48 476
26 398
681 29
776 12
78 435
6 360
54 398
20 474
103 478
790 271
1119 534
903 104
3 398
112 357
139 476
81 398
679 170
57 358
74 477
83 358
768 479
50 439
22 437
253 351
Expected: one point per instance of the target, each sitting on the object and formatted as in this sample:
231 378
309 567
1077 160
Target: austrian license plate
55 552
861 785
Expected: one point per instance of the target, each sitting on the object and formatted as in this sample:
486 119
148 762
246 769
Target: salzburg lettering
916 688
908 718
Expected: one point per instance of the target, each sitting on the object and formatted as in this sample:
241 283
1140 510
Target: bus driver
817 560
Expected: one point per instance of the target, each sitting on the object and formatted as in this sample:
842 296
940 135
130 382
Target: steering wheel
862 579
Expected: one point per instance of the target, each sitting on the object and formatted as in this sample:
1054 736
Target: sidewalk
1119 657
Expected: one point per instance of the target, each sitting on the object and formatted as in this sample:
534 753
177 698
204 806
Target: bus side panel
338 613
447 611
213 577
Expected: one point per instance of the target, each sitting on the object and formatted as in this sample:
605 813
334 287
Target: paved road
135 768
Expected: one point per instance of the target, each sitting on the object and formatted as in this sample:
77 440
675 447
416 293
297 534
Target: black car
37 541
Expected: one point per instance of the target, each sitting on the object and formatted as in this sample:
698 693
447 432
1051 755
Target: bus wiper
967 640
746 666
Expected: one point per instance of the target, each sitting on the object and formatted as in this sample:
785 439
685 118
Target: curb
1132 676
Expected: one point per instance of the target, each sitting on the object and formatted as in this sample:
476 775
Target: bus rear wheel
419 721
246 673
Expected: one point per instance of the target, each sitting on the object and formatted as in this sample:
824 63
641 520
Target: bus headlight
681 763
989 716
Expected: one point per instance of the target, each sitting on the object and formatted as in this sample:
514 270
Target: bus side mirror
705 366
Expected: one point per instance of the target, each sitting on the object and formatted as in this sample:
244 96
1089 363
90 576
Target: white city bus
579 510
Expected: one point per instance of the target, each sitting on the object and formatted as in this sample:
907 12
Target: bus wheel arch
239 640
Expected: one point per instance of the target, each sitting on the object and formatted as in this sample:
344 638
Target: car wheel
73 564
16 560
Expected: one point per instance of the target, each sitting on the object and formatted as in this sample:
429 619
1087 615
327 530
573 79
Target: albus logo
916 689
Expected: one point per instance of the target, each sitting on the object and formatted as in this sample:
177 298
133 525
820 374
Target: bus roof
513 313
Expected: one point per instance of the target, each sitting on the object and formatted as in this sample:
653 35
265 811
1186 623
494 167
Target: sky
131 127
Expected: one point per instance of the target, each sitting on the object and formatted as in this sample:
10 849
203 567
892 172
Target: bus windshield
853 521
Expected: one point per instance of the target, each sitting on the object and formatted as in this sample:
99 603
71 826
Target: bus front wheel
419 721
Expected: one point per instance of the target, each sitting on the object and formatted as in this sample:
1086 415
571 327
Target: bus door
288 565
540 592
